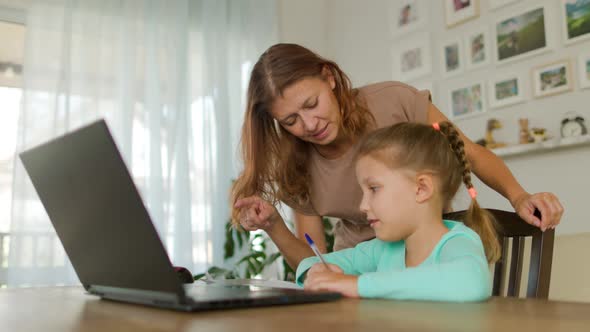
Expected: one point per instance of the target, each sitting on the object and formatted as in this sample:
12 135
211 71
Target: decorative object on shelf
452 59
488 141
460 11
407 16
477 46
572 125
412 60
467 100
521 35
584 69
506 90
576 20
495 4
551 79
524 136
539 134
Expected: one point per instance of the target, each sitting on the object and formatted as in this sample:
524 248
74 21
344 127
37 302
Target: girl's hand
333 280
547 203
256 213
320 268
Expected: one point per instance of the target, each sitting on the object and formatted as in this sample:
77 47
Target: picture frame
477 49
552 78
413 60
521 35
575 18
466 100
584 70
495 4
452 57
506 90
406 16
460 11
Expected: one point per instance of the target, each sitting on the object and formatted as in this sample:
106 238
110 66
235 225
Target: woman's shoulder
386 87
392 102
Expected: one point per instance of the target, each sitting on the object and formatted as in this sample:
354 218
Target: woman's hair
275 162
421 147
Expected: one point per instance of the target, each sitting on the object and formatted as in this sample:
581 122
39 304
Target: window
11 56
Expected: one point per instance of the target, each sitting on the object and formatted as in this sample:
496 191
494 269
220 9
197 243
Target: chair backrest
512 226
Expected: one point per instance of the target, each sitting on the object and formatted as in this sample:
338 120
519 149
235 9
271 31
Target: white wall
304 22
358 38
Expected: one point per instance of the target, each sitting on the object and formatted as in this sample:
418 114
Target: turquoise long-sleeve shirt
456 269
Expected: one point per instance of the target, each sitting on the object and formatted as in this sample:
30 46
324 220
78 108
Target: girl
408 173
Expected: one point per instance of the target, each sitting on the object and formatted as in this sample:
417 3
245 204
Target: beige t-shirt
334 190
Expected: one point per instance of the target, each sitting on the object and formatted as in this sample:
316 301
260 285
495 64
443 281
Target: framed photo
584 70
521 35
477 47
459 11
452 57
407 15
495 4
551 79
467 100
507 90
413 60
576 20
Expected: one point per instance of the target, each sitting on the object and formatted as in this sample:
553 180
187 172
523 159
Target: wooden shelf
541 147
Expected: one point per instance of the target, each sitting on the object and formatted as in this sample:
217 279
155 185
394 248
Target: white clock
573 125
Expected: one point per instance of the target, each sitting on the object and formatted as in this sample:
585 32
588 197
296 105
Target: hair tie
436 126
472 192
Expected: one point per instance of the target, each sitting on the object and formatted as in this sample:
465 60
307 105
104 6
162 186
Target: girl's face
309 110
389 198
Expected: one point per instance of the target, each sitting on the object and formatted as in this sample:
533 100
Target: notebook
106 231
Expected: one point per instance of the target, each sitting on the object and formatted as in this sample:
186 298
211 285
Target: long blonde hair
422 147
275 161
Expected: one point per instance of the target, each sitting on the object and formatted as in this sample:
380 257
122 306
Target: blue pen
316 250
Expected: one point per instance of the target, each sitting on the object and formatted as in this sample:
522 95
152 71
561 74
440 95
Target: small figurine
525 135
489 141
539 134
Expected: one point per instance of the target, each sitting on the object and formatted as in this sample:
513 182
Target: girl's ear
424 187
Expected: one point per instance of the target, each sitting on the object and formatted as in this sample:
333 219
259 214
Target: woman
302 126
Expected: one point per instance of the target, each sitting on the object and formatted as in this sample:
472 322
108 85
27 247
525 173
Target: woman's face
309 110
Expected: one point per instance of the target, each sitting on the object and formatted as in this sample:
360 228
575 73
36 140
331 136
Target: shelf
548 145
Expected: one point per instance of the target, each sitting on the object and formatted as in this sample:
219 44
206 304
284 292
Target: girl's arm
494 173
352 261
461 274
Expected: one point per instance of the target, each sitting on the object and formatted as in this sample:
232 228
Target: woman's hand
256 213
320 277
547 203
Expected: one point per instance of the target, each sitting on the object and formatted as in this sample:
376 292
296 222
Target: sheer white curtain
169 77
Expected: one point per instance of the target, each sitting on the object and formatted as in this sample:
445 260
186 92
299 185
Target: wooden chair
512 226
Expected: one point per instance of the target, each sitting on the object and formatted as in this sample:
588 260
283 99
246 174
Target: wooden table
71 309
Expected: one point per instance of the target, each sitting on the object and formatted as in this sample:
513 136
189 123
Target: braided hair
440 150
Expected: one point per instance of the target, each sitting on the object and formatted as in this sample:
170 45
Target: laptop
109 237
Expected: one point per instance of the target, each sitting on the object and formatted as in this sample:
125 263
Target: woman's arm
313 226
494 173
295 249
256 213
